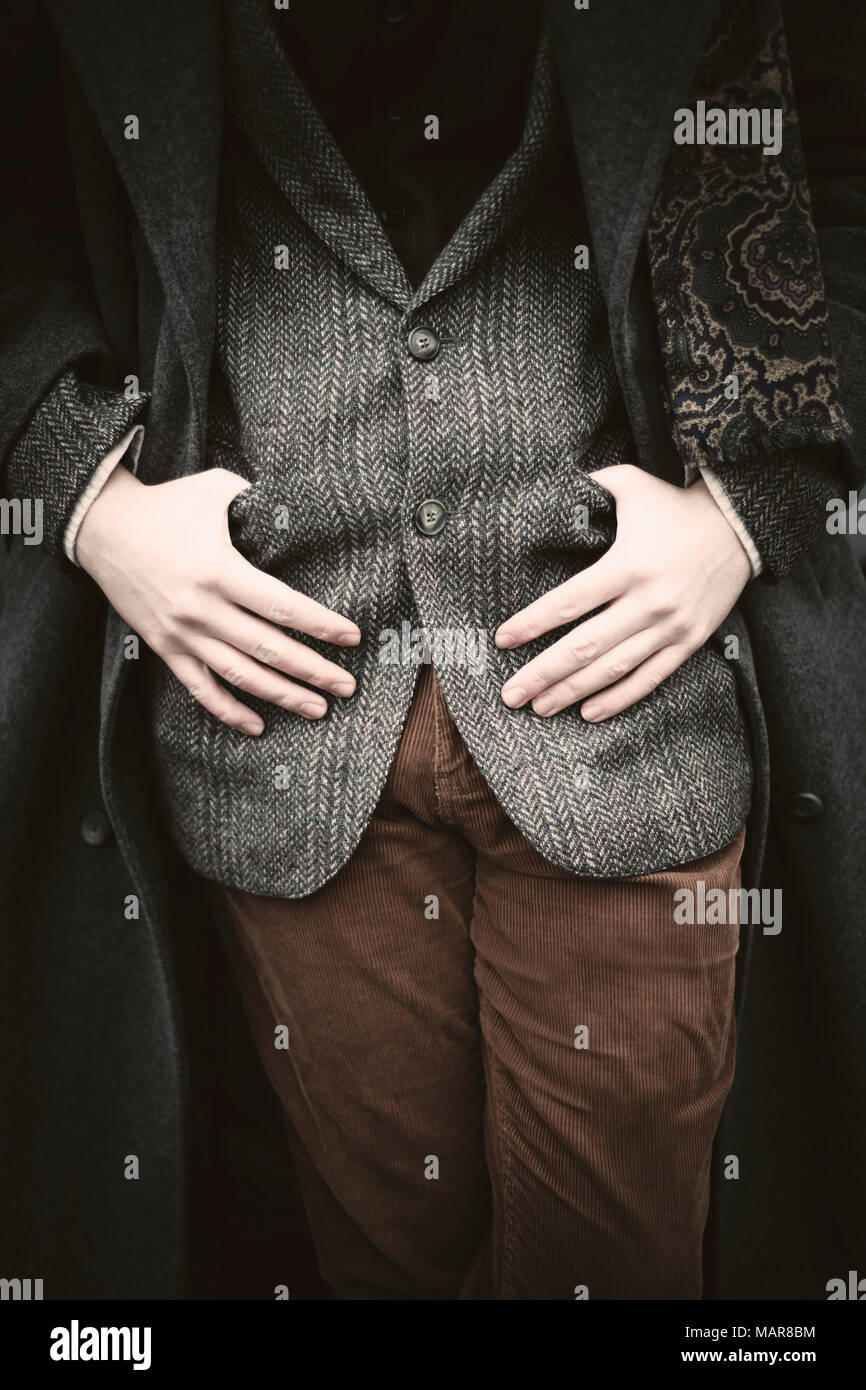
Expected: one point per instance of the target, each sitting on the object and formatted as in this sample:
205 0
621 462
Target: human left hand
674 571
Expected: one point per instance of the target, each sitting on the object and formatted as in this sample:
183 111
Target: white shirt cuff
131 441
727 507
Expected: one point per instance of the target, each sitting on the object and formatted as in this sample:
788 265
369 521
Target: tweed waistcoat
343 433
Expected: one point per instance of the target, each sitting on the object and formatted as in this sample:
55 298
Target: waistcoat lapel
285 129
512 190
293 142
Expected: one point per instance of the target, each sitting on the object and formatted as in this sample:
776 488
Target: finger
610 668
598 584
266 644
240 670
215 698
276 601
642 682
578 648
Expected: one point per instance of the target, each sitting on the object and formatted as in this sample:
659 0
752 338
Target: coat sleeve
780 502
62 402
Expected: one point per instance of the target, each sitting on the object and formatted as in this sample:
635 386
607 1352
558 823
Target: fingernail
544 704
591 711
514 695
505 639
349 639
251 728
343 688
314 711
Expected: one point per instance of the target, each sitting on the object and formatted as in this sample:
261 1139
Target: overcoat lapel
160 62
624 68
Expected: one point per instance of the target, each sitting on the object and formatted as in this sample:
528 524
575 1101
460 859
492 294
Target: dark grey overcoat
121 1033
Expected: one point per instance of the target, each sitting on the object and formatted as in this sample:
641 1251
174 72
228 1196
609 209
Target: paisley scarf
735 270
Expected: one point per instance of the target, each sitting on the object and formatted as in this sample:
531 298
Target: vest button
806 806
430 517
423 343
95 828
394 212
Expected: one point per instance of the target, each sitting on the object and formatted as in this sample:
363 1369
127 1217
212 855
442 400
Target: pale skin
163 556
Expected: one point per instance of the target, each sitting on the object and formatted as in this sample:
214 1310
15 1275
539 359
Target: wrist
103 518
723 526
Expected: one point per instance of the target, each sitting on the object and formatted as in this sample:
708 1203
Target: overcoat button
806 806
95 828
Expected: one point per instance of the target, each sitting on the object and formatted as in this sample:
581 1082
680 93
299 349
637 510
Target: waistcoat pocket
556 528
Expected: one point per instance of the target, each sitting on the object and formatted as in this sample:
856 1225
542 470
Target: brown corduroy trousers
500 1081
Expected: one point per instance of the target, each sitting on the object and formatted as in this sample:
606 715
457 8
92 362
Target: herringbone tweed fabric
73 427
342 432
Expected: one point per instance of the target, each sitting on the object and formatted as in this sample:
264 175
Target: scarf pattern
735 268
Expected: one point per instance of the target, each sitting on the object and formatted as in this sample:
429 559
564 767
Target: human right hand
163 556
